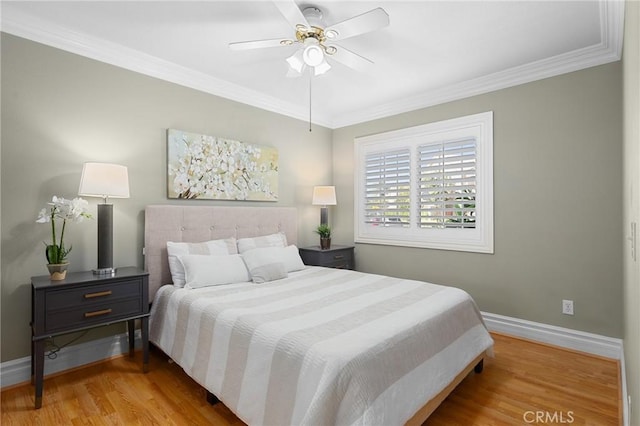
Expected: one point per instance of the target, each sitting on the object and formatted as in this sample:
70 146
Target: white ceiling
432 51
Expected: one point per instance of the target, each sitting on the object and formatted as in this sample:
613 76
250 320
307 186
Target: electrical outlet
567 307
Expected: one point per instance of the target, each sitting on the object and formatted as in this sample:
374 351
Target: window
447 184
387 197
427 186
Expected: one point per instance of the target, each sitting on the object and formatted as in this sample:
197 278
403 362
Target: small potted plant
325 236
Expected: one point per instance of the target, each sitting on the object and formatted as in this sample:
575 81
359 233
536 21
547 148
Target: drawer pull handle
338 256
97 313
98 294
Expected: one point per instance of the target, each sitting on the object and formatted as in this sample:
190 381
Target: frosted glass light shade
313 55
322 68
104 180
295 62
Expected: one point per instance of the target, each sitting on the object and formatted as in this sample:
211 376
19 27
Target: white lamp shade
324 196
104 180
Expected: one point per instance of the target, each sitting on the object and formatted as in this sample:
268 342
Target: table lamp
324 196
104 180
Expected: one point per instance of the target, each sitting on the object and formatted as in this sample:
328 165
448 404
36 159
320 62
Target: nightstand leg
144 326
39 370
33 361
131 325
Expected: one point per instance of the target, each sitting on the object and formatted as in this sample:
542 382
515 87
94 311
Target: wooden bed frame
201 223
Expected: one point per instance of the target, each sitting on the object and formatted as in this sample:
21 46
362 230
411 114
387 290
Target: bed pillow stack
269 258
227 261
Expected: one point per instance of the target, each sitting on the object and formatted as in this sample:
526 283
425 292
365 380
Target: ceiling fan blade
367 22
350 59
292 13
259 44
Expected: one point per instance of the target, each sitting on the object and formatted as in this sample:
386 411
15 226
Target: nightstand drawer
343 263
92 313
92 294
341 257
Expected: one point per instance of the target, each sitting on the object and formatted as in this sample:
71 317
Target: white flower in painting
181 183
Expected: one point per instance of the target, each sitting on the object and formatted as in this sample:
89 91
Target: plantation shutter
387 188
447 184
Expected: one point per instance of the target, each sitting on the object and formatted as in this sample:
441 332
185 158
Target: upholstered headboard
202 223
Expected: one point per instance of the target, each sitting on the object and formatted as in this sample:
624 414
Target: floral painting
213 168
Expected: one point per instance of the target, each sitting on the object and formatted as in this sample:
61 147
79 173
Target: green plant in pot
324 231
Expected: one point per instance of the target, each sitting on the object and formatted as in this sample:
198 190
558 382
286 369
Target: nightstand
82 301
336 257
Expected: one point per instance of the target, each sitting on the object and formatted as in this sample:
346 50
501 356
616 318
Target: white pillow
291 257
213 247
274 240
272 263
204 270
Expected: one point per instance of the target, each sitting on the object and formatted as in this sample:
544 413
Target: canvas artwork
213 168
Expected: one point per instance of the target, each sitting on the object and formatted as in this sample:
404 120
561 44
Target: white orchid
67 210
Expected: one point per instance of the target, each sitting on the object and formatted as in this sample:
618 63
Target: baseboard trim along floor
595 344
19 370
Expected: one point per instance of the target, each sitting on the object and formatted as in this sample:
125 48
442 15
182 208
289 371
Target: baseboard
595 344
19 370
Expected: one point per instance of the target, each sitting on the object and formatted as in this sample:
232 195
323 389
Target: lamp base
104 271
105 240
324 215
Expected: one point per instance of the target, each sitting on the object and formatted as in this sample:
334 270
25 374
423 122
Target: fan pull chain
310 77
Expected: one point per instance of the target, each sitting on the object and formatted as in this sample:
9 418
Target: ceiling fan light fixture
313 55
296 62
321 68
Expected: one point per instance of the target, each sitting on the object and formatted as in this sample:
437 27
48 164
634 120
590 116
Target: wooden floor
526 383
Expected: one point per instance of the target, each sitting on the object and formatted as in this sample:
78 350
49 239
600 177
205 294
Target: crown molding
26 26
608 50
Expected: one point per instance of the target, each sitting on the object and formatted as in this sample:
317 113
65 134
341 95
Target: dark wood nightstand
336 257
84 300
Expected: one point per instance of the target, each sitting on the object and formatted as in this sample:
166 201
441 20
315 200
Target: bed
316 346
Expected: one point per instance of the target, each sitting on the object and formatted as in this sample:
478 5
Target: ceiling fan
317 41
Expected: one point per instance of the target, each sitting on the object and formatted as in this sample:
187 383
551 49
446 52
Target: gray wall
631 61
557 155
557 203
60 110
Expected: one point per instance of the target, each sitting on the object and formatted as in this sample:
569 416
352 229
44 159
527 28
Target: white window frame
478 239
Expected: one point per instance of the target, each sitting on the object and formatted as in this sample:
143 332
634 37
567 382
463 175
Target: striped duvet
321 347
